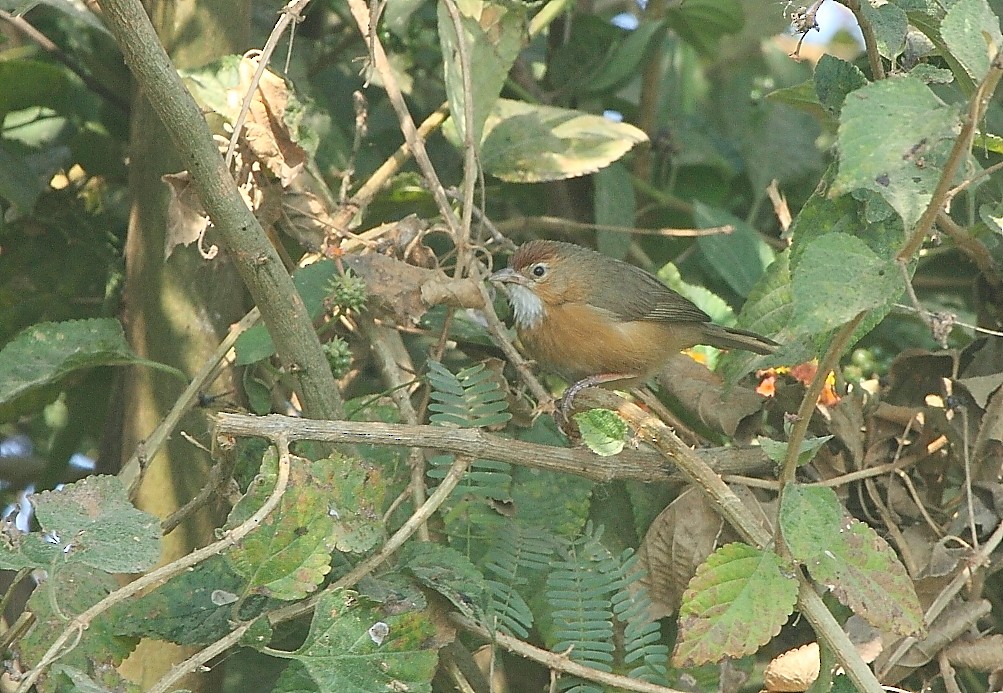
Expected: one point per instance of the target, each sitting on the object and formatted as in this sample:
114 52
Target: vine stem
81 622
731 508
870 39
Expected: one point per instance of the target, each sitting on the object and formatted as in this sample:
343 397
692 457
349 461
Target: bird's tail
734 338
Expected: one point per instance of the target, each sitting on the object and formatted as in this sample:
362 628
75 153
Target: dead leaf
703 392
265 129
405 291
680 539
186 218
793 671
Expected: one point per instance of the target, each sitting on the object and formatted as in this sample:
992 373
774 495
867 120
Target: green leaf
527 143
804 98
39 357
98 526
450 573
971 32
602 431
194 608
357 649
493 34
89 522
313 284
67 592
834 79
894 137
614 204
288 555
740 257
702 23
724 614
625 59
472 398
890 24
776 450
861 568
837 278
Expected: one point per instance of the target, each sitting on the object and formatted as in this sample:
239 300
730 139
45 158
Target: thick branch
638 465
254 257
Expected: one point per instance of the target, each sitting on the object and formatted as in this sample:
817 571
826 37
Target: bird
597 320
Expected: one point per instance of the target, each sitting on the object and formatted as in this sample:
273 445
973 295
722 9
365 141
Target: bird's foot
564 407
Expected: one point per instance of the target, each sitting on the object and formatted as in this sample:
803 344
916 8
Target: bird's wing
654 301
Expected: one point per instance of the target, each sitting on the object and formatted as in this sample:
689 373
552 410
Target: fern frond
484 478
579 590
472 398
516 556
643 649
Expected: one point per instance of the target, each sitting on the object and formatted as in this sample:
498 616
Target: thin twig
470 164
390 352
500 337
132 471
80 623
419 518
559 662
565 226
731 508
197 660
962 146
870 38
811 395
946 596
360 12
287 15
641 465
26 29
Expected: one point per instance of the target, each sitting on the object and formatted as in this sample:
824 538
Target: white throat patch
528 308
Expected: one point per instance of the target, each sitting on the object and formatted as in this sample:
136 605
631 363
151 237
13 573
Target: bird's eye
538 270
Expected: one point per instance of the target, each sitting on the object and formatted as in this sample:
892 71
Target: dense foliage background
439 532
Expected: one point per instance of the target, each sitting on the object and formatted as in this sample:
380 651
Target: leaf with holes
723 613
850 557
358 649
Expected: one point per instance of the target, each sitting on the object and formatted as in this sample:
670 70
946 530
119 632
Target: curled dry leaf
186 218
721 409
265 129
680 539
406 292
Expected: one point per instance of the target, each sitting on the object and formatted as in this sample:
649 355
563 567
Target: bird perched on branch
596 320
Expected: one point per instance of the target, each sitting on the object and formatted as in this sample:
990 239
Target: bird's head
543 274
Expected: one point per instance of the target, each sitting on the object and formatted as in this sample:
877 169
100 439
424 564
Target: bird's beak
507 276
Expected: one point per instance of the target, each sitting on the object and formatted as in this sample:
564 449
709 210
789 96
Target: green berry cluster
339 356
348 292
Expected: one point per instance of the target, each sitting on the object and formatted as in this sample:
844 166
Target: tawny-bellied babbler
594 319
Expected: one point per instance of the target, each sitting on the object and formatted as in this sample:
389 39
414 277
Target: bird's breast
579 340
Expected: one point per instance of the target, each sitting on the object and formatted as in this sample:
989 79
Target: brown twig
565 226
962 146
80 623
870 39
132 471
287 15
558 661
641 465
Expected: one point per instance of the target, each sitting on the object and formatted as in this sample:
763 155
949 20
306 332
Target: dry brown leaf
793 671
186 218
406 292
704 393
309 220
265 129
680 539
